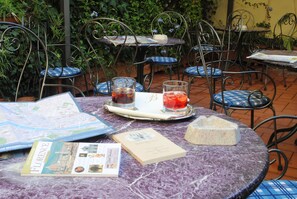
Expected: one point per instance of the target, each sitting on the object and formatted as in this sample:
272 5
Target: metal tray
189 112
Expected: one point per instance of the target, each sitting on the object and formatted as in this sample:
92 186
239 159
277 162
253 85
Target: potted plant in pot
12 11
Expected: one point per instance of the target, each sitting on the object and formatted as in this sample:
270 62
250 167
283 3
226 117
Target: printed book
148 146
73 159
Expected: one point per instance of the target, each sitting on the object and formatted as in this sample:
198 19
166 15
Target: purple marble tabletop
206 171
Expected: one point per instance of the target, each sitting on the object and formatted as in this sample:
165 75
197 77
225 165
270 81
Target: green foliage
10 8
139 15
255 5
263 24
43 16
209 8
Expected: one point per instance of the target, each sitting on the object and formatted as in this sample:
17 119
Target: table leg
140 64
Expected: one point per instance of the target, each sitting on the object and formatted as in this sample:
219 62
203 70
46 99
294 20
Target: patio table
205 171
142 50
279 58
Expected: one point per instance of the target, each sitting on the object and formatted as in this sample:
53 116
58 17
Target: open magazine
278 58
73 159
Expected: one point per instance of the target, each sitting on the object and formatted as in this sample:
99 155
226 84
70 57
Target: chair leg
266 71
177 68
280 166
149 78
86 82
252 118
170 72
284 78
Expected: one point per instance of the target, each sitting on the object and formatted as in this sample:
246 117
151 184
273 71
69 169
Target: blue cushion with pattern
199 71
239 98
67 71
103 89
162 60
206 48
275 189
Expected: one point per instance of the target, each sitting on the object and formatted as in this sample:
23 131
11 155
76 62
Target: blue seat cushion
199 71
162 60
67 72
239 98
206 48
276 189
103 89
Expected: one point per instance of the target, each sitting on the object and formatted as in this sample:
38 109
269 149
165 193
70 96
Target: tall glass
175 95
123 92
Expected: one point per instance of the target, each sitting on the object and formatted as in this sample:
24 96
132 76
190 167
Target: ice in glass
175 95
123 92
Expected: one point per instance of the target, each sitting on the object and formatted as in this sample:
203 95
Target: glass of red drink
175 95
123 92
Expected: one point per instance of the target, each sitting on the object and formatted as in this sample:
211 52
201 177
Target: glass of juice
175 95
123 92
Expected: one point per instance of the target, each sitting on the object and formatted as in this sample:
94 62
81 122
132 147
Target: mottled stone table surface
206 171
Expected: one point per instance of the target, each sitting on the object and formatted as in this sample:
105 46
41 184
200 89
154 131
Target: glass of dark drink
123 92
175 95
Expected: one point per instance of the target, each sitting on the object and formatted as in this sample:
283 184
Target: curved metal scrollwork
23 50
277 136
108 41
170 23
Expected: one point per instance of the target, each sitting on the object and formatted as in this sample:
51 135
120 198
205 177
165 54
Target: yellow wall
279 8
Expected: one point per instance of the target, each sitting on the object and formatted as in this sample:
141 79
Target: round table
205 172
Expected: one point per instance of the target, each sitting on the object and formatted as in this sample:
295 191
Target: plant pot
10 19
26 99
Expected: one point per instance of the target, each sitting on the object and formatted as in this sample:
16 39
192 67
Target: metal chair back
109 44
283 32
23 56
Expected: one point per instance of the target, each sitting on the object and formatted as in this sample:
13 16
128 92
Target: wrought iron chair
277 188
239 94
173 25
238 22
207 49
22 54
61 70
110 44
283 33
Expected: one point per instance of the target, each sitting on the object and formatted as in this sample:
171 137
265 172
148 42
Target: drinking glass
175 95
123 92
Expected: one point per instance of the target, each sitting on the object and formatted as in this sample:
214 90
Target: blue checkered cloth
162 60
57 72
206 48
103 89
199 71
275 189
239 98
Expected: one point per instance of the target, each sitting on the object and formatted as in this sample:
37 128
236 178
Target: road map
55 118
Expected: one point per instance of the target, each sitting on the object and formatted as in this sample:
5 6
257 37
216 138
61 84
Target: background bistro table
205 172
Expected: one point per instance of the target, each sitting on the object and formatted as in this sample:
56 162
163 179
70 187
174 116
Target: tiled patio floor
285 104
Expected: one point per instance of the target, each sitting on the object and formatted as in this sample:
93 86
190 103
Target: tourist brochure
148 146
73 159
54 118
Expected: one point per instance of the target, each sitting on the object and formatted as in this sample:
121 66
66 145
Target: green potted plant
12 10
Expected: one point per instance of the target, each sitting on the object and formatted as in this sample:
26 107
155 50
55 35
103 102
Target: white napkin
148 105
